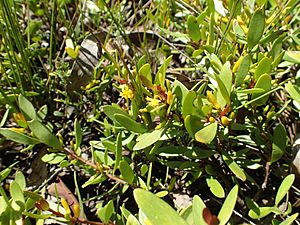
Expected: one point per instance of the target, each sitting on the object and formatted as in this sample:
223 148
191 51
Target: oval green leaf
228 206
198 206
193 28
279 142
290 220
106 212
78 134
43 134
17 194
284 188
111 110
233 166
27 107
126 171
207 134
156 210
192 125
148 139
188 104
256 28
292 56
260 212
118 151
264 66
215 187
18 137
263 82
242 70
293 91
20 179
130 124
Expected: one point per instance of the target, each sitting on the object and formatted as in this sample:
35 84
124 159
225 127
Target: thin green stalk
53 28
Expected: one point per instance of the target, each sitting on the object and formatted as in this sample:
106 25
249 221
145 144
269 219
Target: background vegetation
149 112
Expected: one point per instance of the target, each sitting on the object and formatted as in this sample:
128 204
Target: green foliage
149 102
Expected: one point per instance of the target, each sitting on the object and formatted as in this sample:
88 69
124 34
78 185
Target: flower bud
76 210
225 121
66 206
213 100
211 119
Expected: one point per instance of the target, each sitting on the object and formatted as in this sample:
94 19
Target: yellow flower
169 97
153 101
127 93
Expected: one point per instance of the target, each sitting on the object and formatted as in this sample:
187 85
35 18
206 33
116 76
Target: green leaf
223 96
242 70
126 172
20 179
260 212
198 206
161 74
228 206
18 137
188 107
130 124
179 90
145 75
264 66
111 110
106 212
292 56
279 142
33 195
78 134
147 139
192 125
196 153
290 220
132 220
293 91
156 210
251 91
104 158
193 28
215 187
226 77
118 152
4 173
233 166
284 188
27 107
43 134
53 158
17 194
37 216
256 28
95 179
264 82
207 134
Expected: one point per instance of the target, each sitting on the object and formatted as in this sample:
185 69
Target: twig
267 169
97 168
76 220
